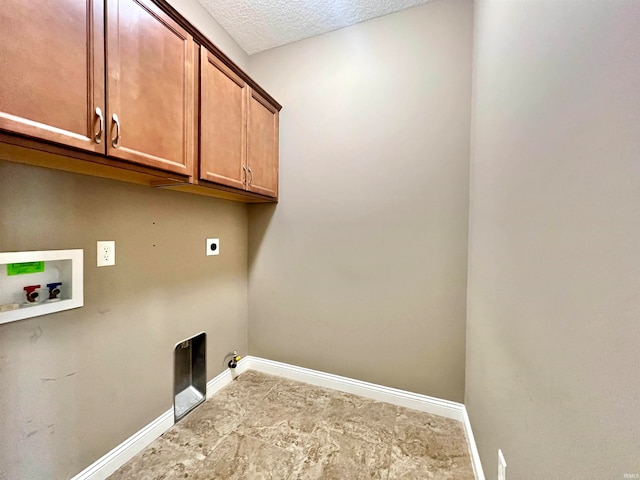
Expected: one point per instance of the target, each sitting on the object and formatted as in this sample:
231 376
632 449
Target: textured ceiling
258 25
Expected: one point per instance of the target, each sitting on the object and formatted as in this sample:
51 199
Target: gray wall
77 383
361 268
553 330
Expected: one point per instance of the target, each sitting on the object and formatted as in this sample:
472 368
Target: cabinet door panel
262 146
223 123
52 70
150 87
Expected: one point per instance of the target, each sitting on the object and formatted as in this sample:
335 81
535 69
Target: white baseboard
415 401
120 455
473 449
113 460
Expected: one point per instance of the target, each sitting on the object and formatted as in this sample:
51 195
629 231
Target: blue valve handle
54 291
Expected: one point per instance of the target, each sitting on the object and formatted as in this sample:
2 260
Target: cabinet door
262 146
222 123
150 87
52 71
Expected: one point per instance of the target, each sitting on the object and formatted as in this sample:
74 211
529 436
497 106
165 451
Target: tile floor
266 427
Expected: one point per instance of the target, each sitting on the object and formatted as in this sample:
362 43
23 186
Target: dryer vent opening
190 375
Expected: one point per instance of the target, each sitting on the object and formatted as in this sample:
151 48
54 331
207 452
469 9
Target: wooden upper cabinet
150 87
52 71
262 146
223 123
238 131
124 82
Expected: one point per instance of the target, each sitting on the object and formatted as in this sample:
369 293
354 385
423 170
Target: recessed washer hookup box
35 283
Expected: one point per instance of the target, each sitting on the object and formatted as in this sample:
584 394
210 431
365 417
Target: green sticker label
25 267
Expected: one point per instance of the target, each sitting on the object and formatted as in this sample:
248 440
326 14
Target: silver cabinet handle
116 141
98 137
251 175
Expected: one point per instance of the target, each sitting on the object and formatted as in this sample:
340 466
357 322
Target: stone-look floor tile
244 393
265 427
446 436
198 437
407 417
203 428
241 458
300 395
287 416
290 432
330 455
215 416
161 460
257 378
418 452
361 418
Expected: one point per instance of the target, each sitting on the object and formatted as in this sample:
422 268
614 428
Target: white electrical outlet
106 253
213 246
502 466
